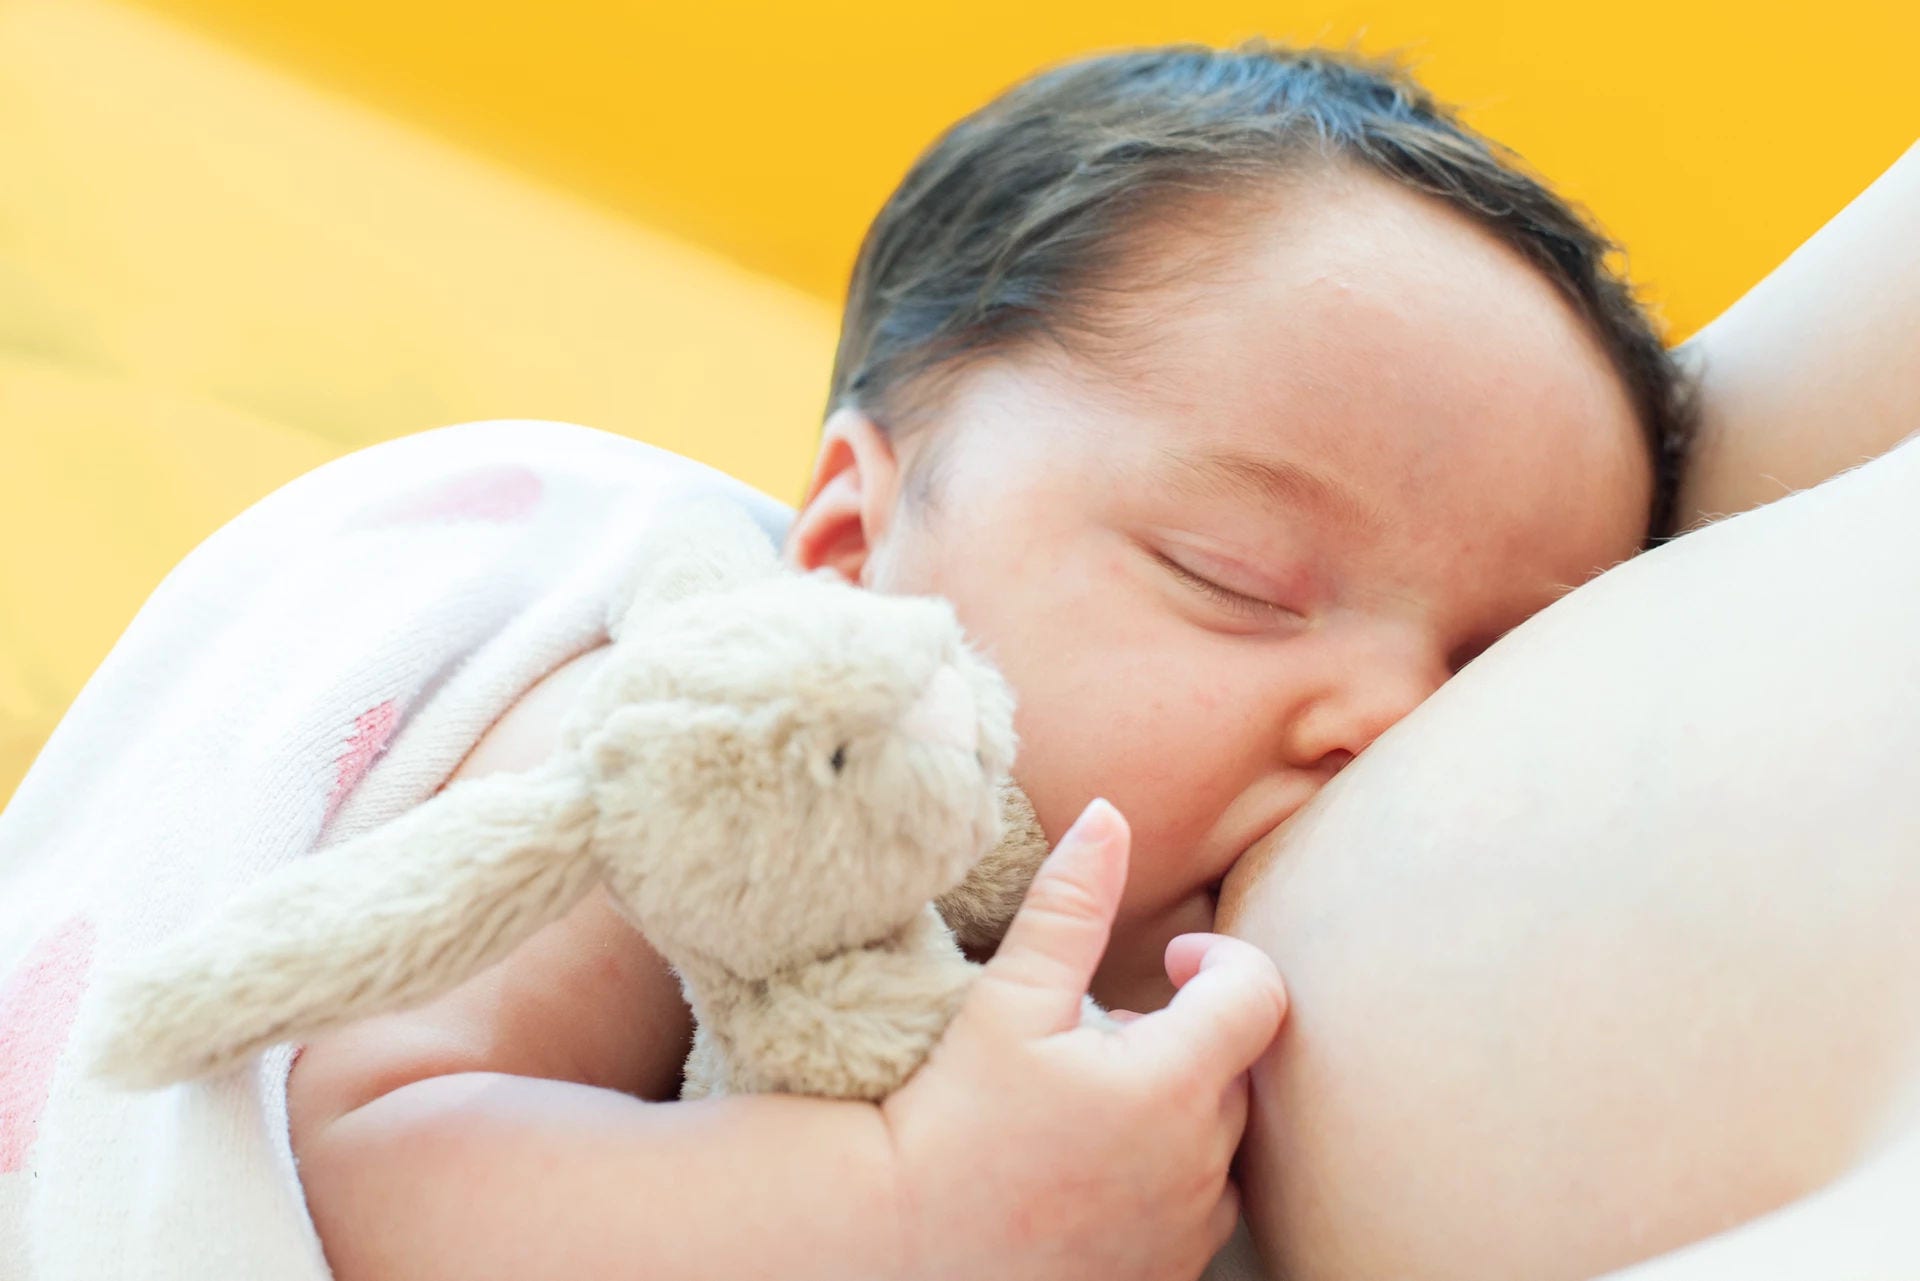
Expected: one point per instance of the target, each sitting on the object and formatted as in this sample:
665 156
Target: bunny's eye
839 758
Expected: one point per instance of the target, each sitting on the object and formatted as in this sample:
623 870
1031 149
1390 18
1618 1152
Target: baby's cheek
1167 776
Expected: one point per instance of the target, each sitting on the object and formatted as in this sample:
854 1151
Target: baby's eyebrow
1278 482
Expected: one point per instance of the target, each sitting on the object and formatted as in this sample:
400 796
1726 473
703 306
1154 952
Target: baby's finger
1187 953
1225 1015
1233 1119
1183 955
1038 977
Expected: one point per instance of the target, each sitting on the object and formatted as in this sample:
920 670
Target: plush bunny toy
776 776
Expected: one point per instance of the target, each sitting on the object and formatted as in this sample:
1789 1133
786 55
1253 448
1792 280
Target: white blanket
318 666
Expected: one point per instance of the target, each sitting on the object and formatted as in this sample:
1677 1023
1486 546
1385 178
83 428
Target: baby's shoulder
528 732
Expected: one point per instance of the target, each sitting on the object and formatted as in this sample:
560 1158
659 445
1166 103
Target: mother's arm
1817 368
1608 947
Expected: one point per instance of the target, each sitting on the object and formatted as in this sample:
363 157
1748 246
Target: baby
1236 400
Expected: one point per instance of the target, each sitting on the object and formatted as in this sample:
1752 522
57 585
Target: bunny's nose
944 713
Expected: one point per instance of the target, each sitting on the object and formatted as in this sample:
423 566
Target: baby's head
1235 400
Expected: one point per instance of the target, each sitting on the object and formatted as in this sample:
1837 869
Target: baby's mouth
1267 836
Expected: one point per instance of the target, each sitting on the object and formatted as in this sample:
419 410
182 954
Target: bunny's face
794 767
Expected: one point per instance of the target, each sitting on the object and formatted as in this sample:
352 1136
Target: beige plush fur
777 775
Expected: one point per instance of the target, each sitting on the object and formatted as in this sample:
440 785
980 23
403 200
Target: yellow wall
213 279
238 238
1711 135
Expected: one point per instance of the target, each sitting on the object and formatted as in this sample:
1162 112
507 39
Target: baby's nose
944 713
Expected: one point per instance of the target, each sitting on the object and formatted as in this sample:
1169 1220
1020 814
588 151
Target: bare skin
1816 369
1609 948
1627 958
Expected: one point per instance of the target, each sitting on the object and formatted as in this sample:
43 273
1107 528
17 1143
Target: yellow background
238 238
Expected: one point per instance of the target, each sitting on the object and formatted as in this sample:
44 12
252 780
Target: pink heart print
495 494
372 730
37 1005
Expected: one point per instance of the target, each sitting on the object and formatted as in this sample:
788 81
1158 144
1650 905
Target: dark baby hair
1006 229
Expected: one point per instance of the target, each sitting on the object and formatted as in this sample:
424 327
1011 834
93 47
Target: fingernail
1219 951
1095 823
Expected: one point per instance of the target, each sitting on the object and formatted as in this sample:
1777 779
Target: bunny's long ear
377 923
699 546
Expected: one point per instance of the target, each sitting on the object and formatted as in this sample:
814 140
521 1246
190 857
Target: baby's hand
1030 1146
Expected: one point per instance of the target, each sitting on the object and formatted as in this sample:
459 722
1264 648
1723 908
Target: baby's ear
699 546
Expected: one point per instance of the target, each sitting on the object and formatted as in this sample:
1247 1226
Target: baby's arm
584 1008
1817 368
482 1175
504 1130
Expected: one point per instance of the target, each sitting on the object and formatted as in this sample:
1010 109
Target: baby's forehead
1416 419
1206 474
1340 282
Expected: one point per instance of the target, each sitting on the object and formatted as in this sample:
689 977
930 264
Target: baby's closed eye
1239 602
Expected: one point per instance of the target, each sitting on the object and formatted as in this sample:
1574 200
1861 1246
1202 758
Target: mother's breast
1608 946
